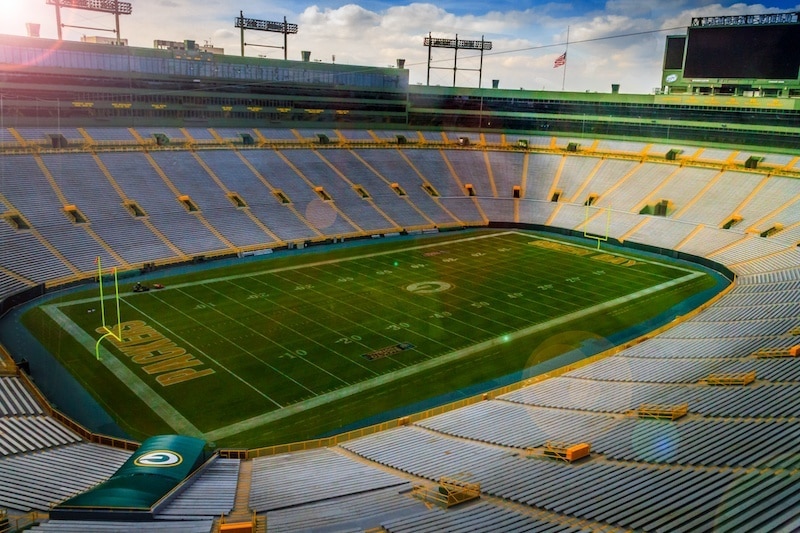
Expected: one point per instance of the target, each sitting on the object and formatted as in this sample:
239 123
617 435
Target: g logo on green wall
159 458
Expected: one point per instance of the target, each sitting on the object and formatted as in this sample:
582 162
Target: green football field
289 347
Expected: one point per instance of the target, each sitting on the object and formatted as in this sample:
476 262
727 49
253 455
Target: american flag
560 60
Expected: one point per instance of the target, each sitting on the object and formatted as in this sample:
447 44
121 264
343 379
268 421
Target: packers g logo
159 458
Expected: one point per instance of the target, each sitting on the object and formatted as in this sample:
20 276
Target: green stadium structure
154 158
159 465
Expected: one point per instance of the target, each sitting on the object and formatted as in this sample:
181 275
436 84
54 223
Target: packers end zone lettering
574 250
158 355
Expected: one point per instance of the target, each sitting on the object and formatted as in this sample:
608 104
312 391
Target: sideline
256 421
299 267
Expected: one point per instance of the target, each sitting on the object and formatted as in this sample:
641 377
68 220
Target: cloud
526 36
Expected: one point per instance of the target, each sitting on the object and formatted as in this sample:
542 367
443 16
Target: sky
527 35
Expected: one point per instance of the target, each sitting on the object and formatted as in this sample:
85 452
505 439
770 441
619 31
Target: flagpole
566 57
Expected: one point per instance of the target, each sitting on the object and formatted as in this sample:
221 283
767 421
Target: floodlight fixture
247 23
456 45
113 7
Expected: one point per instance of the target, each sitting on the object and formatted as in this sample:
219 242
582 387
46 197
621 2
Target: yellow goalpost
598 238
105 327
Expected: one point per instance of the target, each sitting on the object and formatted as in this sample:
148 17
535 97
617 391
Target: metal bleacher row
730 464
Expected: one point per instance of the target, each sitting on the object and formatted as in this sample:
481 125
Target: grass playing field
289 347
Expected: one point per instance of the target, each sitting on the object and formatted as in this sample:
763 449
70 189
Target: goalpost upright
109 330
598 238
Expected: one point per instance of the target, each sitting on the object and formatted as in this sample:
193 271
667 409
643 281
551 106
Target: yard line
410 301
188 343
413 299
334 376
288 310
128 377
376 317
383 379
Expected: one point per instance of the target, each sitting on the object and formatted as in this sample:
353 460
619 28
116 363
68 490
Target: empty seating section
25 255
398 209
89 526
319 214
316 168
238 178
432 136
481 516
210 494
7 138
615 224
470 167
21 434
42 136
356 135
787 214
356 512
617 494
35 199
15 400
537 212
776 262
142 184
391 135
173 134
707 240
682 187
747 249
391 165
621 368
277 134
714 155
234 134
607 145
607 176
774 195
283 481
673 346
646 178
191 179
495 138
200 134
662 232
431 164
10 284
436 168
715 205
506 169
35 481
110 135
740 443
500 209
519 426
573 175
83 181
598 396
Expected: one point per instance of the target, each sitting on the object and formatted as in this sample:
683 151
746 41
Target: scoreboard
754 53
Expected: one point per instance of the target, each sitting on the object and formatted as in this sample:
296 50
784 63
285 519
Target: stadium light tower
114 7
456 44
265 25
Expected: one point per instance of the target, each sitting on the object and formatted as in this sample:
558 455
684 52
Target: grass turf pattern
293 336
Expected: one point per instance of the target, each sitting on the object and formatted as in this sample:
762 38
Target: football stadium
252 294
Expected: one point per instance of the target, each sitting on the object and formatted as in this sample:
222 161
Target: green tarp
158 466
